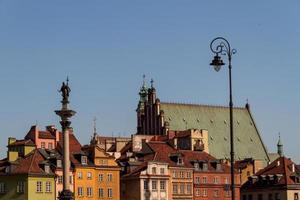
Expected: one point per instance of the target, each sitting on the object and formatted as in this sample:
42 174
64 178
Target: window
20 187
277 196
2 188
80 191
197 180
244 197
101 192
205 192
89 191
43 145
189 188
296 197
270 196
175 189
47 169
59 179
146 186
204 179
174 174
83 160
188 174
180 161
197 192
181 174
215 180
154 185
259 197
39 186
162 185
48 186
196 166
50 146
205 167
181 189
109 177
153 170
110 193
162 171
216 193
89 175
71 179
100 177
58 163
79 174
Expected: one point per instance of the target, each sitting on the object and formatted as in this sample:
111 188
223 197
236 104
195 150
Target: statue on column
65 90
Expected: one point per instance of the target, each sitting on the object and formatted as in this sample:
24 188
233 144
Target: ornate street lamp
220 46
65 113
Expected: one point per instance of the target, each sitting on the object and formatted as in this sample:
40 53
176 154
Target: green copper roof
215 119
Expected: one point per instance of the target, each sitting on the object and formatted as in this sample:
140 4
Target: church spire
143 93
279 147
94 138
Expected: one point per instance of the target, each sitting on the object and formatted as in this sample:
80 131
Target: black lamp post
220 46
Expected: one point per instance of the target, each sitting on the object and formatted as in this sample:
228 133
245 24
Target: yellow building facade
97 176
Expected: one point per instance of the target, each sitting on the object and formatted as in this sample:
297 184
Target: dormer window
196 166
180 161
83 160
205 167
58 163
47 169
153 170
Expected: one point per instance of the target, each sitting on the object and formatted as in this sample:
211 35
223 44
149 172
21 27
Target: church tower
280 147
150 118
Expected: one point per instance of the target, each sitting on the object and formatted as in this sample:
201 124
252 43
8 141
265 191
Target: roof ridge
31 161
203 105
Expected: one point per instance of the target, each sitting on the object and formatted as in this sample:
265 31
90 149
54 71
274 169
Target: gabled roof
215 119
22 142
163 152
46 135
30 164
281 165
282 168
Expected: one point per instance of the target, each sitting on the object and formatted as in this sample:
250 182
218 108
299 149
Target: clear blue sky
105 47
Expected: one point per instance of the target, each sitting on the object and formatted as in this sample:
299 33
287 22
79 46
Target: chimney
11 140
293 167
175 143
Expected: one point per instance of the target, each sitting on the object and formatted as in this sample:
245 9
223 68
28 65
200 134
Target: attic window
238 122
47 169
169 119
251 139
251 123
225 122
83 160
180 161
58 163
197 120
225 138
211 121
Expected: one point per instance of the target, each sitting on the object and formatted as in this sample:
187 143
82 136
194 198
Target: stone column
65 114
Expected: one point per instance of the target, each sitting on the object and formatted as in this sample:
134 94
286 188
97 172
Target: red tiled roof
30 164
75 146
163 151
22 142
46 135
281 165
